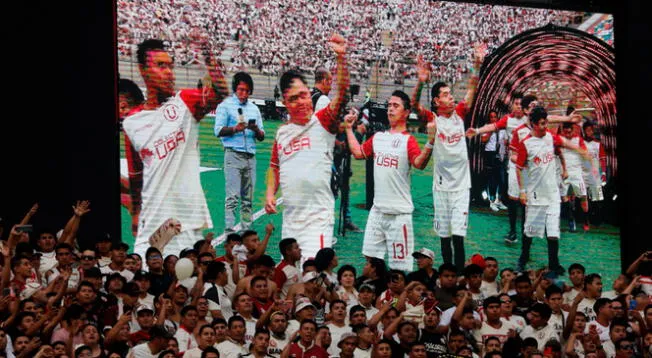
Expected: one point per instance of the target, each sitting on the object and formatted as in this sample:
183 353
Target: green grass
597 250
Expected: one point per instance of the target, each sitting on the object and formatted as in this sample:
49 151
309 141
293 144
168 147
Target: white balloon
184 268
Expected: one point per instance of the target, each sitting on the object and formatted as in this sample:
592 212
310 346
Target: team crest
171 112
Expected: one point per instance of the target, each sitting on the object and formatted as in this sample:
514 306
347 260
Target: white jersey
574 161
167 142
393 154
542 334
510 123
451 167
538 155
487 331
141 351
304 154
592 168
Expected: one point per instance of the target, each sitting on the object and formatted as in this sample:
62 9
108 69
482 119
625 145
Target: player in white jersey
574 186
518 118
165 135
302 157
541 193
395 151
595 172
452 175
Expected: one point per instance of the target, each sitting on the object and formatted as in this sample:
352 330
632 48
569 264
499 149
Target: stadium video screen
198 154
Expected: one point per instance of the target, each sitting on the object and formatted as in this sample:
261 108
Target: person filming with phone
239 124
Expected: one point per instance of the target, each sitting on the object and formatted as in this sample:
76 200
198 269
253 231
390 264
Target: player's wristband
428 145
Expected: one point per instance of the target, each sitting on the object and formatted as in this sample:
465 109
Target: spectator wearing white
215 280
539 328
118 256
337 325
206 338
489 285
159 337
234 345
184 334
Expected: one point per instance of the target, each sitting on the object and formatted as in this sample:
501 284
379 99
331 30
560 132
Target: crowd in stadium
64 296
273 36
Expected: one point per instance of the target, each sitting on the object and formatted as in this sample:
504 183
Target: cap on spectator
366 286
302 303
478 260
424 252
188 251
309 276
93 272
143 308
119 246
142 275
345 336
104 237
158 331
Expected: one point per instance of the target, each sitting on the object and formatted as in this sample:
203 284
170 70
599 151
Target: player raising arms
536 155
452 176
165 134
395 151
302 157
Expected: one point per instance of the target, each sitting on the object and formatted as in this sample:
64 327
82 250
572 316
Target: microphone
240 116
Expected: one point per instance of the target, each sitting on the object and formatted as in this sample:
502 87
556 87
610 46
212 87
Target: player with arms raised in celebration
302 157
395 151
452 176
165 134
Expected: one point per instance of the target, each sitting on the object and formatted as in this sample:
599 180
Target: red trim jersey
304 155
166 140
538 155
451 167
574 160
597 165
285 275
510 123
393 154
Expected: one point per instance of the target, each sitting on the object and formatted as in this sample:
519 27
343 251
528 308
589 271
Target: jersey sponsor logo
167 144
295 145
451 139
171 112
544 159
146 156
388 160
396 142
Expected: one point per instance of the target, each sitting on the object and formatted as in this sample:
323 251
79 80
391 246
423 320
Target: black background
59 132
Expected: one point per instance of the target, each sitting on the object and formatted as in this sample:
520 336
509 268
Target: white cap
303 302
144 308
425 252
310 275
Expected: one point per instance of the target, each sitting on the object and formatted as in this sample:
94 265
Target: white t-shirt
516 321
277 344
141 351
557 324
362 353
107 270
570 296
336 333
186 340
538 155
229 349
451 164
304 155
393 155
48 261
166 140
586 306
574 161
489 288
487 331
447 316
542 335
603 331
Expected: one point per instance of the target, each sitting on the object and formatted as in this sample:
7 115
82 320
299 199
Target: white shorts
392 234
312 234
574 182
595 192
513 190
541 220
451 212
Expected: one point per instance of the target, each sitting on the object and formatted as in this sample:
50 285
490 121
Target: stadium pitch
595 249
